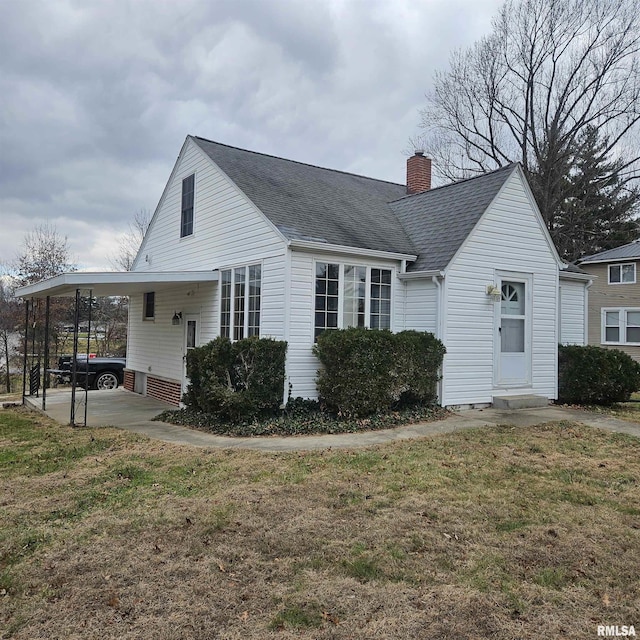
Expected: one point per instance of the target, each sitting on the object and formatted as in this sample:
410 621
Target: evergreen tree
598 209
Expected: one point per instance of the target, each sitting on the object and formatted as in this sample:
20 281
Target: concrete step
519 402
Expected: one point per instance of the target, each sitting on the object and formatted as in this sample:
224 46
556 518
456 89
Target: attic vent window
186 218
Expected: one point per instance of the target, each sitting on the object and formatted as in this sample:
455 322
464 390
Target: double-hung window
240 290
622 273
621 326
186 217
351 296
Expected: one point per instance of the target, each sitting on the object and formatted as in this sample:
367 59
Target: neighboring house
614 298
277 248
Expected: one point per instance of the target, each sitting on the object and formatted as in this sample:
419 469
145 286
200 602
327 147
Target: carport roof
113 283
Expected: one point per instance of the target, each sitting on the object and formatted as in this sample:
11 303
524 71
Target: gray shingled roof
438 221
631 250
306 202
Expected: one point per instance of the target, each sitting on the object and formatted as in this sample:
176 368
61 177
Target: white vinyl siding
230 230
421 305
156 348
509 239
572 312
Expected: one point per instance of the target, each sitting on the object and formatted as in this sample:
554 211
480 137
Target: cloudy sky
97 96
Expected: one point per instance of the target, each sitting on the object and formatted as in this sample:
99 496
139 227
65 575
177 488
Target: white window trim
145 317
246 299
367 296
182 238
621 264
622 325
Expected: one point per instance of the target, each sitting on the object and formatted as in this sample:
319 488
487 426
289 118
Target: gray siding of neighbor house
605 295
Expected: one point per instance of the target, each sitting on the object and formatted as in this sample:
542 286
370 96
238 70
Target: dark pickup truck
103 373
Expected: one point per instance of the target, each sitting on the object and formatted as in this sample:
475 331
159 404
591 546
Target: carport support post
25 344
74 368
45 375
86 380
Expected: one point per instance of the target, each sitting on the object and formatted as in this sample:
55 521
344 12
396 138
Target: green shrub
366 371
236 380
593 375
418 355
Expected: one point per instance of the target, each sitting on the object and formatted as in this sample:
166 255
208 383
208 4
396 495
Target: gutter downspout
586 312
439 289
287 320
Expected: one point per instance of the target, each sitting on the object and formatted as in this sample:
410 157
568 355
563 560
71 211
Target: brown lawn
493 533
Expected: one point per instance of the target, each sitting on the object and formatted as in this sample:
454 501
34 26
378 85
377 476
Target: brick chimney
418 173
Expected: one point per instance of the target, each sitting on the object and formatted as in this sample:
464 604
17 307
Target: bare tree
45 254
549 70
9 326
130 241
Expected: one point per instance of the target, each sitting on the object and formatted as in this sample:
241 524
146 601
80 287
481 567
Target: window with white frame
351 296
622 273
240 291
186 215
149 305
621 326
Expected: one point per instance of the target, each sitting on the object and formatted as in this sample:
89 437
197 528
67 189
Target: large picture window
186 217
621 326
240 291
622 273
351 296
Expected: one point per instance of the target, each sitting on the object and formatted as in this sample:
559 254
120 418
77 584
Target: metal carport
106 283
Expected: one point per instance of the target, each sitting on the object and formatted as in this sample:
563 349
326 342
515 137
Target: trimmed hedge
236 380
367 371
594 375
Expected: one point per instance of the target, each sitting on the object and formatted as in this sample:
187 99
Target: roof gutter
323 247
414 275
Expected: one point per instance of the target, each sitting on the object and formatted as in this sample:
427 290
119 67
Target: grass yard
492 533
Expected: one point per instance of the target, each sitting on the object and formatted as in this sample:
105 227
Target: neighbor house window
622 273
149 305
240 291
351 296
186 218
621 326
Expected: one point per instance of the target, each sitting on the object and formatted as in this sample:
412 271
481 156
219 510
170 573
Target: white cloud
99 98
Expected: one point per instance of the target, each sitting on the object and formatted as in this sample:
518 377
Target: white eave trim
113 283
414 275
322 247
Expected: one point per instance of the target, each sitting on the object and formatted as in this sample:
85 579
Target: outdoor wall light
177 318
494 293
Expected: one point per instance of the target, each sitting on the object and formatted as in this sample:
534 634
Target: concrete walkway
130 411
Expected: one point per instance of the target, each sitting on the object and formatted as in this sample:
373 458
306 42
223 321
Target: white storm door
513 342
191 340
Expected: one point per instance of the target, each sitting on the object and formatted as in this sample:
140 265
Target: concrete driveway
133 412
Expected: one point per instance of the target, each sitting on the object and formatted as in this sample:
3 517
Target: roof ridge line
304 164
457 182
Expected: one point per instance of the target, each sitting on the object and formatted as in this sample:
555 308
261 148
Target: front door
191 340
513 343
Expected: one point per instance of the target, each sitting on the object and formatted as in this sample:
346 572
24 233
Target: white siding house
295 249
